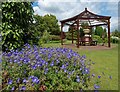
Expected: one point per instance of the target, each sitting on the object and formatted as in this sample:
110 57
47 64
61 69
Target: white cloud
36 10
114 23
79 0
63 9
99 0
58 0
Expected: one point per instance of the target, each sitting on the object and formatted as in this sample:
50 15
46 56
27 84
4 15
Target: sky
64 9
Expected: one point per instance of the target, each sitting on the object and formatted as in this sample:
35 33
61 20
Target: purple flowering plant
33 68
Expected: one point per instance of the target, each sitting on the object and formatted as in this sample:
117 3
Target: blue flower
68 56
74 64
24 81
99 76
34 67
86 70
110 77
63 66
67 64
46 63
78 76
57 61
96 86
30 77
10 81
13 88
9 54
52 64
46 70
93 75
80 69
78 80
0 60
34 79
65 70
84 56
21 59
15 61
68 76
18 80
56 71
23 88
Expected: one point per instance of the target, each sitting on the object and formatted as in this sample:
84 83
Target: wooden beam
78 35
108 32
98 25
73 23
81 18
62 33
72 36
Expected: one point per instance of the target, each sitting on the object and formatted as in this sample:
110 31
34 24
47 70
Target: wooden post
108 32
72 36
78 35
61 33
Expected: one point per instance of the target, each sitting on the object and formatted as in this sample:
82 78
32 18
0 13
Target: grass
106 64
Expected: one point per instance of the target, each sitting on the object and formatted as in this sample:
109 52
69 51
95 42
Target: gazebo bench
88 43
94 43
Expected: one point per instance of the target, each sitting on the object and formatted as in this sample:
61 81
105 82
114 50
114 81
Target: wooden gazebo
89 17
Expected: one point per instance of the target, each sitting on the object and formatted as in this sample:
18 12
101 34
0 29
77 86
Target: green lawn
106 64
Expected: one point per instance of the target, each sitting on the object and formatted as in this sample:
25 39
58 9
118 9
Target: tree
99 31
52 24
16 19
105 32
37 29
116 33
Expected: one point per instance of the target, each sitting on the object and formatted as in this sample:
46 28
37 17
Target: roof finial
85 9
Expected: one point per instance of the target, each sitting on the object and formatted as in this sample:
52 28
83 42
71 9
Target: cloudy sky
64 9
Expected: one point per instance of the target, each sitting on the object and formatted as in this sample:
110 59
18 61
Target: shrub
35 68
106 40
69 36
15 25
97 38
114 40
45 38
54 37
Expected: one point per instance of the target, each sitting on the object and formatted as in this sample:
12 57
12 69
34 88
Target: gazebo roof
87 16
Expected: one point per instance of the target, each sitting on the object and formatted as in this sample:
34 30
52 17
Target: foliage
100 32
69 35
97 38
48 68
116 33
46 37
16 18
104 33
54 38
81 32
51 24
84 25
42 27
114 40
39 24
98 56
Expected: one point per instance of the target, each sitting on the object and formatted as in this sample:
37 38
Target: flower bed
35 68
